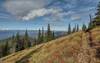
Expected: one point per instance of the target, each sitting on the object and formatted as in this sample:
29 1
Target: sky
35 14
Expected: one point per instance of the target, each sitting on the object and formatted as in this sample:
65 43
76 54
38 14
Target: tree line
18 43
14 44
45 36
95 22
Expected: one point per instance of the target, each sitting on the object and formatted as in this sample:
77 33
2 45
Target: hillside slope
75 48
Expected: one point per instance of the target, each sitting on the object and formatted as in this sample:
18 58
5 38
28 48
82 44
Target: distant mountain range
32 33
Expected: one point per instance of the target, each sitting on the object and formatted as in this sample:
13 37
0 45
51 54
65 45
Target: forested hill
79 47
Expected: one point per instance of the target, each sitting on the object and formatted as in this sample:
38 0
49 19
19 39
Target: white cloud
75 17
30 9
40 12
20 8
61 16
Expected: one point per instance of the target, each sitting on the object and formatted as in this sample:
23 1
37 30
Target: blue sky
34 14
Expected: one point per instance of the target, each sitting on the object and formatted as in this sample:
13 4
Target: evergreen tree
42 35
93 23
98 12
45 37
17 39
77 28
84 27
53 35
97 18
69 29
35 42
26 40
1 53
74 29
39 36
49 33
13 44
90 23
6 49
13 37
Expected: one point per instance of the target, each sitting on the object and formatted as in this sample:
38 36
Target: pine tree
49 33
90 23
84 27
98 11
74 29
69 29
1 52
35 42
39 36
97 18
53 35
26 40
77 28
96 21
6 49
13 44
17 39
42 35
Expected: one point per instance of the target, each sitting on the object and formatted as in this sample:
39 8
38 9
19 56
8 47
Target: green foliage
39 36
98 10
26 40
69 29
18 43
84 27
96 21
17 39
42 35
13 44
5 49
49 33
74 29
53 35
45 36
77 28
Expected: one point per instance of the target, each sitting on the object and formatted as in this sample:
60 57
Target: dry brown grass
70 49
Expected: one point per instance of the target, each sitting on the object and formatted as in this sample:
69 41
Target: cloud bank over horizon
34 14
32 9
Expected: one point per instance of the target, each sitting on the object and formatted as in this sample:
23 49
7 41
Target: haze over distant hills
32 33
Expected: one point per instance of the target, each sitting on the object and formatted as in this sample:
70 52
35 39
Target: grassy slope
69 49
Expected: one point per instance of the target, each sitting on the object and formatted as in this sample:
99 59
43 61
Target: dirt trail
87 53
91 53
